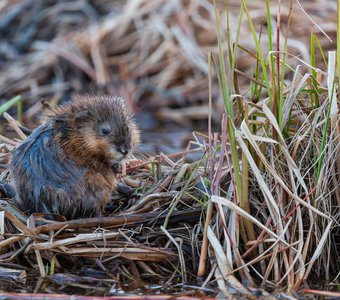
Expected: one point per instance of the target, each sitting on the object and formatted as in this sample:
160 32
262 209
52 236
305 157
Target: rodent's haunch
66 165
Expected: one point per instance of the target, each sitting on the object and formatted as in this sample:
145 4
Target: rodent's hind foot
124 190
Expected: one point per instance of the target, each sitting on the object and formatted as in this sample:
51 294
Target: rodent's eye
105 129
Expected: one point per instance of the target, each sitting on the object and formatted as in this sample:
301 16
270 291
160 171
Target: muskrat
67 165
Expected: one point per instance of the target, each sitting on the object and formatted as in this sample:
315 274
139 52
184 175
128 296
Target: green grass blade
10 103
259 51
314 96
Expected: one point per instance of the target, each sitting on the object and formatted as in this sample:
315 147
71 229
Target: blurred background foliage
153 53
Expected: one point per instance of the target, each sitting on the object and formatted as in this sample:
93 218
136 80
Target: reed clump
258 212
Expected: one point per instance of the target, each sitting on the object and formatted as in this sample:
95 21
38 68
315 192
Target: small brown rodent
66 166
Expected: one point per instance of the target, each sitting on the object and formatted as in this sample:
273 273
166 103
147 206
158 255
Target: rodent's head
97 128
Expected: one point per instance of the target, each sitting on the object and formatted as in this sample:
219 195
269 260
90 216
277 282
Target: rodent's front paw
116 168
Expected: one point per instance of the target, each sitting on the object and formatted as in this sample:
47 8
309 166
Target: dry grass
131 247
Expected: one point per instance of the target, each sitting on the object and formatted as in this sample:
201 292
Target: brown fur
66 165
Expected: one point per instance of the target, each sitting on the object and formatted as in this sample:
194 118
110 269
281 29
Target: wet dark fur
66 165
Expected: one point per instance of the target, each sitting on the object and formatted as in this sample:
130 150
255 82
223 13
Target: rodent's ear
60 118
81 116
73 118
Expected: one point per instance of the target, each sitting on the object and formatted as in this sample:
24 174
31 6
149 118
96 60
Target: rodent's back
44 180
